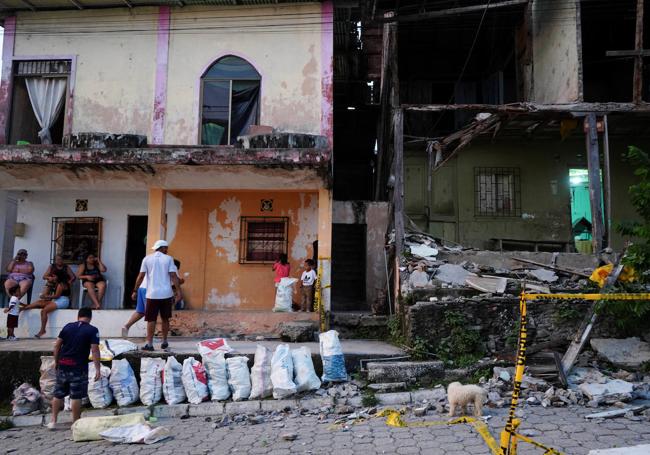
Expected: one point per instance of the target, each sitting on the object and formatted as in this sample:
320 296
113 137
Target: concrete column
157 218
3 228
325 247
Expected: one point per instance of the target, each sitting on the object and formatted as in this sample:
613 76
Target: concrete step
384 387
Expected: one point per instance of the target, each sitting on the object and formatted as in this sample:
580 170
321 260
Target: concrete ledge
242 407
146 410
213 408
175 411
278 405
393 398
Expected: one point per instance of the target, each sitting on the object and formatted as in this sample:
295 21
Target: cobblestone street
562 428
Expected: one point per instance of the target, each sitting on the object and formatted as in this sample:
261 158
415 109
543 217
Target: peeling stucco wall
224 236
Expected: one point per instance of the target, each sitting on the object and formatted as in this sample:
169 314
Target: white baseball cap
159 244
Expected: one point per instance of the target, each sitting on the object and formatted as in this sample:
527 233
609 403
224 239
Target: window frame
204 79
495 172
57 236
244 238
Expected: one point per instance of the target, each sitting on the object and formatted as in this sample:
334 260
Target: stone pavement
562 428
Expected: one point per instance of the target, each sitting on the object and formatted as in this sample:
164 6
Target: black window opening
263 239
230 100
497 191
74 238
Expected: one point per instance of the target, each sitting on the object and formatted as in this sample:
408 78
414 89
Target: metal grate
43 67
263 239
74 238
497 191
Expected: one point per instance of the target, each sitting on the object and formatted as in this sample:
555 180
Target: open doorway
581 209
136 250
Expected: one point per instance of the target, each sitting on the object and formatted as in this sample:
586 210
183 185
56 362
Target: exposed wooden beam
637 95
595 187
514 108
455 11
641 53
77 4
28 4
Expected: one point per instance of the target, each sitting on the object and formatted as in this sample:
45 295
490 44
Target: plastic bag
89 428
303 368
282 372
195 381
67 404
123 383
151 370
239 378
173 390
99 392
141 433
284 295
213 345
26 400
215 365
261 385
332 356
47 380
109 349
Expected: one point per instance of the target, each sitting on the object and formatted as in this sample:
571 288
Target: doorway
349 267
581 209
136 250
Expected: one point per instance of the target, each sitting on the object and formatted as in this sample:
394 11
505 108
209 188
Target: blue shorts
142 300
62 302
71 381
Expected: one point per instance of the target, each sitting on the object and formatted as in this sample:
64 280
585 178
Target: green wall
545 195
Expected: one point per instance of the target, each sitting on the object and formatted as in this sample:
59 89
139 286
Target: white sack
47 380
141 433
284 295
332 356
151 370
26 400
173 390
195 381
215 365
99 392
303 368
89 428
261 385
213 345
123 383
282 372
239 378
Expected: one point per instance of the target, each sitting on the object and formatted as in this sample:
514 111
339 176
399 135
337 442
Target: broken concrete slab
490 284
429 395
387 386
643 449
590 375
627 353
616 412
547 276
298 331
404 371
391 399
423 251
419 279
611 391
451 273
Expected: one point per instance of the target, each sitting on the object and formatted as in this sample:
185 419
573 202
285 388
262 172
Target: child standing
282 268
13 311
307 281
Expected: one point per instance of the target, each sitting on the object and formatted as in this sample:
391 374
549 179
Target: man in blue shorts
71 351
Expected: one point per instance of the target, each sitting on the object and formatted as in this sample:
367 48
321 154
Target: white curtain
46 95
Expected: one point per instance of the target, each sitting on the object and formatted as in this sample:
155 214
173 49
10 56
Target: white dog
461 395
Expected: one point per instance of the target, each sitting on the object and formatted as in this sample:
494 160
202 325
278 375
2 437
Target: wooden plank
457 11
607 181
638 61
553 267
634 53
398 192
595 187
616 412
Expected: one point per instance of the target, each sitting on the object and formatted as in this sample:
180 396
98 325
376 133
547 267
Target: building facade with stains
209 126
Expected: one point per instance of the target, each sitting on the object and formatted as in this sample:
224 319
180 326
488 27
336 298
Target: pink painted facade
327 65
5 84
162 59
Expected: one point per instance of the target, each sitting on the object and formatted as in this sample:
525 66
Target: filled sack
261 385
47 380
89 428
26 400
284 295
141 433
239 378
151 371
282 372
173 389
305 376
99 392
195 381
213 345
215 365
332 356
123 383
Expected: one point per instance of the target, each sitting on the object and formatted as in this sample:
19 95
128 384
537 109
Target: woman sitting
60 269
90 273
21 274
55 296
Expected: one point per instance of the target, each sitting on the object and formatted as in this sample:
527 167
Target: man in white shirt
307 281
160 271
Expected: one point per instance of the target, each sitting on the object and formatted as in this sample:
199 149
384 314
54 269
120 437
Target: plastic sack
239 378
332 356
109 349
89 428
173 389
303 368
213 345
47 380
261 385
141 433
195 381
151 370
26 400
99 392
123 383
67 404
215 365
282 372
284 295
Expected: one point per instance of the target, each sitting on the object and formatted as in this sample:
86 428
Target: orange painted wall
206 241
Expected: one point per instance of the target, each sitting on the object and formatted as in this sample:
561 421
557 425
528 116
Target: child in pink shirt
282 268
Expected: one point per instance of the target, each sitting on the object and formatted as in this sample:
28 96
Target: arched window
230 94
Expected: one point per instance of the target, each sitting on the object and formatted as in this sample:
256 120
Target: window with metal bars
74 238
497 191
42 67
263 239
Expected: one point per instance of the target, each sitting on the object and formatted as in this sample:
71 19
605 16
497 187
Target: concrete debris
419 279
623 353
387 386
404 371
289 436
609 392
617 412
421 411
298 331
490 284
452 273
423 251
547 276
582 375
